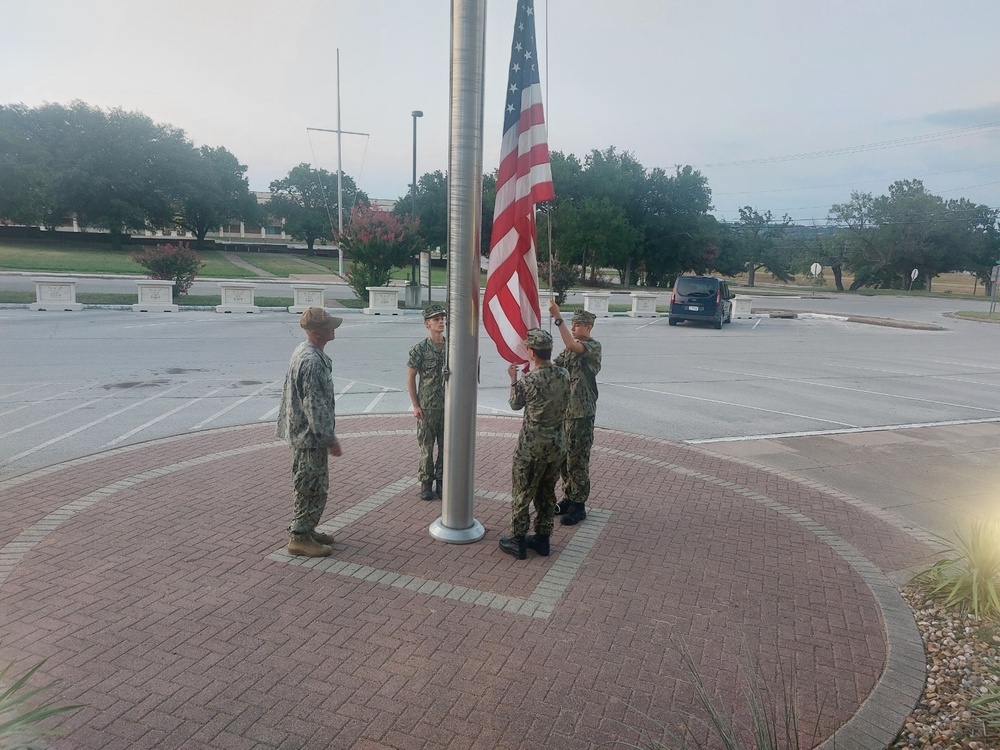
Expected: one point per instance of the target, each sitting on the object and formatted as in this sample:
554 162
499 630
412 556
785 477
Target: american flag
510 306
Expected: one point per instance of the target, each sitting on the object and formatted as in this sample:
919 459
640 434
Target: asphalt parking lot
73 383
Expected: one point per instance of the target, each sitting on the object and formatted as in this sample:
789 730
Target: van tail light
718 296
673 296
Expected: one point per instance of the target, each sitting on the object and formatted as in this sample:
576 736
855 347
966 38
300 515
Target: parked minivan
703 298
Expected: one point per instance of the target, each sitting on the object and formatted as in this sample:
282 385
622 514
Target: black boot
539 543
426 493
437 488
562 507
574 515
514 545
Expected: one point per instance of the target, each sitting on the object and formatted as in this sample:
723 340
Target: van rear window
688 285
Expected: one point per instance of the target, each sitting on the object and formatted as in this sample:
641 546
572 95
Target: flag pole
465 199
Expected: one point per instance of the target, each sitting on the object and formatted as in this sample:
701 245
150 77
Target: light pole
413 207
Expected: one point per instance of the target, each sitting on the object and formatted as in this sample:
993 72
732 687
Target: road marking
171 323
229 408
81 428
851 431
728 403
47 398
150 423
269 414
56 416
865 391
24 390
374 401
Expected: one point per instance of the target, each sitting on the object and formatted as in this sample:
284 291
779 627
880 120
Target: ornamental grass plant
20 716
969 578
772 707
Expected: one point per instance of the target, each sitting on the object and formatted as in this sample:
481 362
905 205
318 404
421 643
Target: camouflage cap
315 318
582 316
433 310
538 339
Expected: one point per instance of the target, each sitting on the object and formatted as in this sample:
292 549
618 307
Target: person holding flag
524 178
541 446
582 358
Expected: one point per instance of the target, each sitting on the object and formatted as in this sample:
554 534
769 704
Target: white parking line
229 408
865 391
150 423
81 428
375 401
727 403
49 418
47 398
24 390
854 430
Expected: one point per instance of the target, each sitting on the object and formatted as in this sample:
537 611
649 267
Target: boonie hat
433 310
315 318
582 316
538 339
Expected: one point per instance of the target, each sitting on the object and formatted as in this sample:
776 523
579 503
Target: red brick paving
159 608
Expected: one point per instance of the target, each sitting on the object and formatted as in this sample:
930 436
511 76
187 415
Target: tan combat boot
322 537
308 547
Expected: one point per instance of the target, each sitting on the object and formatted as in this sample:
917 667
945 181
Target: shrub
970 579
377 242
177 263
563 277
361 276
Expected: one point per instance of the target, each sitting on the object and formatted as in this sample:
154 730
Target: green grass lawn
61 257
281 265
182 300
974 315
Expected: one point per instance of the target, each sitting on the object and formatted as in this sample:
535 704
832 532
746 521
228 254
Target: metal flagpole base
457 536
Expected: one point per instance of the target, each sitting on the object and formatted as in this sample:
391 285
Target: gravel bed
963 660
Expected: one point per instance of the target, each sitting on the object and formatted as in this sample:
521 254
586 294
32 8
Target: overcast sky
895 89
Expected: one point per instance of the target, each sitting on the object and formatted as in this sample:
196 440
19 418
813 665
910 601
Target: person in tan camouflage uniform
582 358
306 420
426 365
541 446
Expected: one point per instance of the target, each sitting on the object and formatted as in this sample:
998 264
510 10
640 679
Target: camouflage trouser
533 481
430 430
310 480
575 470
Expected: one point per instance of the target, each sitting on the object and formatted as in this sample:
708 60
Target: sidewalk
155 581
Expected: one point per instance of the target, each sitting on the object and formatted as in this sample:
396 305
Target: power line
858 182
896 143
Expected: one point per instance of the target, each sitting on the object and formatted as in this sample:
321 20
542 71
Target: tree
432 208
678 232
25 168
127 170
889 236
215 191
760 240
307 201
376 241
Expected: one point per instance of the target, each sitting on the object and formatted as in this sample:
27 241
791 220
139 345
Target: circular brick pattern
153 578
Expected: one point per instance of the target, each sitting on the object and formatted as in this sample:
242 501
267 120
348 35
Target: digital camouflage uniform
428 361
306 420
541 446
579 424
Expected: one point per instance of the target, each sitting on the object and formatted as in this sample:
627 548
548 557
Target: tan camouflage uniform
580 413
428 360
541 446
306 420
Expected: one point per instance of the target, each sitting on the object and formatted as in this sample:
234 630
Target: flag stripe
524 178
